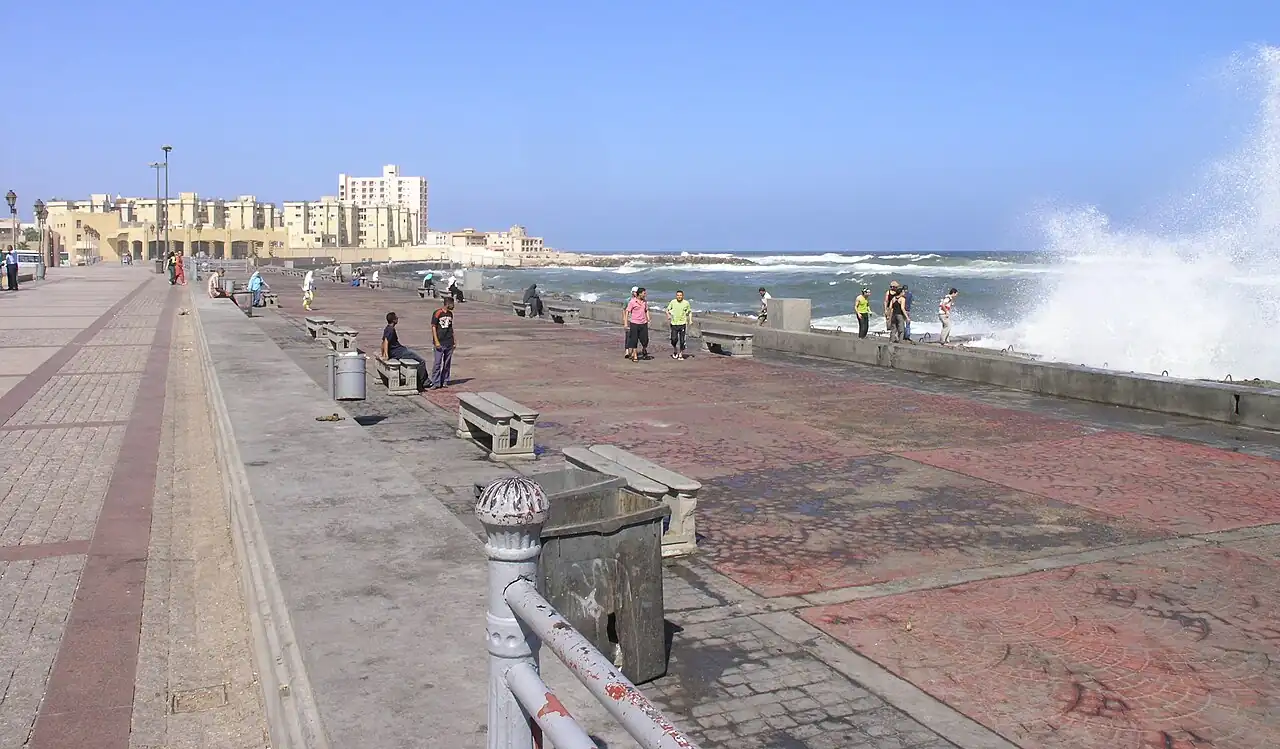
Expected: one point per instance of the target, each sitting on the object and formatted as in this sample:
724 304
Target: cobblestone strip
90 693
17 396
35 599
196 684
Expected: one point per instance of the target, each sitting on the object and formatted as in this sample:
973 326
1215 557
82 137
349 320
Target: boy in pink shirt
635 320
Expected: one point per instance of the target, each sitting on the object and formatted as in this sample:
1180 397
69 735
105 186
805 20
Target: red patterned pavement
1171 651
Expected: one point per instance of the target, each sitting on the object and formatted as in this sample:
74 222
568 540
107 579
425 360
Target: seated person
215 285
454 290
391 349
534 301
428 282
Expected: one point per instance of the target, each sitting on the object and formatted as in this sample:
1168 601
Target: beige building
330 222
409 193
111 228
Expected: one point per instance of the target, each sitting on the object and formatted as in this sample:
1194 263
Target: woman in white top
308 289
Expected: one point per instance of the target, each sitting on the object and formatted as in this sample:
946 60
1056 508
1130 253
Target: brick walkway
84 373
878 548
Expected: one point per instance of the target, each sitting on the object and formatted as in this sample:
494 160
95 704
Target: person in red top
635 320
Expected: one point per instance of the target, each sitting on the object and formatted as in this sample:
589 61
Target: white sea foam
588 296
1134 300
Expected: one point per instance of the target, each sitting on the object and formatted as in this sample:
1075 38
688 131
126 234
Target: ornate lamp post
12 199
42 213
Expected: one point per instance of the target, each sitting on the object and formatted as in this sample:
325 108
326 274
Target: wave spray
1201 300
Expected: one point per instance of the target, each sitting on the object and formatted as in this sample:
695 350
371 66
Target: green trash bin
601 567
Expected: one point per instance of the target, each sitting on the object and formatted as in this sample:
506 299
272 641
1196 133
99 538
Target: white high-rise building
410 193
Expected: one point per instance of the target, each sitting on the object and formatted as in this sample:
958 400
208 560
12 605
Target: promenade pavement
894 561
123 624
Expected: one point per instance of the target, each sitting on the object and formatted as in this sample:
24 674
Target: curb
293 717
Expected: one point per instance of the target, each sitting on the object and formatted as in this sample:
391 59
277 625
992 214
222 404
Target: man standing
862 308
635 318
679 314
444 340
894 286
944 313
391 349
763 315
11 268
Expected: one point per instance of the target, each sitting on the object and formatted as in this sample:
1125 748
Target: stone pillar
512 511
790 314
472 280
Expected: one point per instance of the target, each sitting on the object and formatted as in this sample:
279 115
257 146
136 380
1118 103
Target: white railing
521 707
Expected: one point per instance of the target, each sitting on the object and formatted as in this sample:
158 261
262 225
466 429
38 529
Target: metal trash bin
228 286
347 376
601 567
159 265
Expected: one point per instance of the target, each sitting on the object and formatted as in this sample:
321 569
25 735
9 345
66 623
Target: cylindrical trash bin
159 265
348 376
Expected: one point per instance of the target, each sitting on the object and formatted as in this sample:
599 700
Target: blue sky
662 124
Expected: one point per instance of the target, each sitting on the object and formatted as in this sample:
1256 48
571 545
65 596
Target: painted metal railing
522 708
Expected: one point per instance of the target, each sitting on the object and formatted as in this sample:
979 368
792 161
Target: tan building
409 193
111 228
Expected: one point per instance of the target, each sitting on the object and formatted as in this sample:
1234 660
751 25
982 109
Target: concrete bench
431 292
643 476
564 314
317 325
271 299
498 424
521 309
399 375
341 338
727 342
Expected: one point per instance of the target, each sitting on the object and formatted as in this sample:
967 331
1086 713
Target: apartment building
409 193
332 222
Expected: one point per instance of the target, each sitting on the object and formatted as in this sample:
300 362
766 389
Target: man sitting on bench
215 285
429 283
391 349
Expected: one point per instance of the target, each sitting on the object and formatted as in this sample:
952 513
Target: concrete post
512 511
790 314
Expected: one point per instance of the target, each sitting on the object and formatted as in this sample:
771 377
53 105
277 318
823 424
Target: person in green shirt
679 313
862 306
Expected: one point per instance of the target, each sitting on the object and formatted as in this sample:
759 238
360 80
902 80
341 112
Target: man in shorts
679 314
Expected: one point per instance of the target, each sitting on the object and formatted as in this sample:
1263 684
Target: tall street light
166 149
42 213
155 251
12 198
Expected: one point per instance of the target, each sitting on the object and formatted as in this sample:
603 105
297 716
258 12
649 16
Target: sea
1191 290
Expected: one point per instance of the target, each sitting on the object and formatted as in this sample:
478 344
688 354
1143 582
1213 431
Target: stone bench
375 284
317 325
271 299
727 342
521 309
399 375
341 338
431 292
500 425
643 476
563 314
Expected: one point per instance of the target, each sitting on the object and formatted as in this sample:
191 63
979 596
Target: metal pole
154 250
649 727
547 710
166 200
512 511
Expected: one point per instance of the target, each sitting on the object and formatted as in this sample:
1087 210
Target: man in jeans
442 337
391 349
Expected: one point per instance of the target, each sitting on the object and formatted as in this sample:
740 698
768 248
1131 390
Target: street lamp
156 165
41 214
166 148
12 198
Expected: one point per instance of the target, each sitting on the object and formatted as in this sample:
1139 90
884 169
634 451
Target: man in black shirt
443 338
391 349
